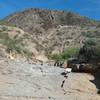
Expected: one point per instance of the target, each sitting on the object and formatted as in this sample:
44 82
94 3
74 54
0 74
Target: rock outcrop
20 80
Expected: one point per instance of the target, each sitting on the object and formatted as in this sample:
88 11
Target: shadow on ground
96 80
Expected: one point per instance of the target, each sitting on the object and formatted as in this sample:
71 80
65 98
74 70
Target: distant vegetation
90 34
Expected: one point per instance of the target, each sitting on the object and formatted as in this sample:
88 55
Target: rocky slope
55 41
45 31
46 19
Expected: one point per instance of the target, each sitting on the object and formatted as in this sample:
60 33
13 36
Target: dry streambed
22 81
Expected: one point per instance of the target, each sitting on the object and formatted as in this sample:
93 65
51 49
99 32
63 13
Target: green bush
90 51
67 53
97 52
90 42
70 52
56 57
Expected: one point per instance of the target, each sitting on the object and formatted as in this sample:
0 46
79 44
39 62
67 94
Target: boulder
75 67
87 68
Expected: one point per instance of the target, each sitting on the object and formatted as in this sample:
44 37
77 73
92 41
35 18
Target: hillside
50 31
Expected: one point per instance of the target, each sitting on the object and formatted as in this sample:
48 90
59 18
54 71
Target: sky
88 8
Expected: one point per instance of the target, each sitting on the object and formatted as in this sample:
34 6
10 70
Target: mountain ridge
50 15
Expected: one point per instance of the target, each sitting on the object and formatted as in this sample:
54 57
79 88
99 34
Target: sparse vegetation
82 26
13 45
91 34
87 34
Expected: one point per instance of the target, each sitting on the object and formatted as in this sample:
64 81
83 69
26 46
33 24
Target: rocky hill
30 18
49 31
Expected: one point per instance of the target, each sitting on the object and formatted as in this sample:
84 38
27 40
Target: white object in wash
68 70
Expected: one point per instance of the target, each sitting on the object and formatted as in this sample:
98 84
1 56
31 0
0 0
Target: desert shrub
56 57
70 52
60 33
67 53
89 50
97 52
90 42
88 34
13 45
82 26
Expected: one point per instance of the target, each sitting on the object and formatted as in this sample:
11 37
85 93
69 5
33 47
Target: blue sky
89 8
